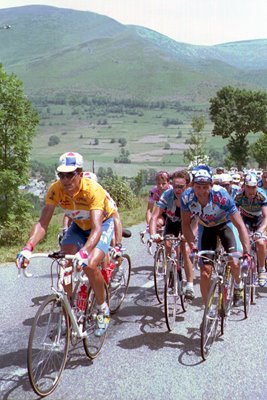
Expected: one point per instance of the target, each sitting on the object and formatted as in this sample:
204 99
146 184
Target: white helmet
90 175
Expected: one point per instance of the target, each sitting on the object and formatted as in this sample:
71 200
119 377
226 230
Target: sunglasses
176 187
68 175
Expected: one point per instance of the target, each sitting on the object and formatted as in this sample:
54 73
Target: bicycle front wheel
248 292
118 293
160 264
92 343
228 298
211 318
48 346
170 297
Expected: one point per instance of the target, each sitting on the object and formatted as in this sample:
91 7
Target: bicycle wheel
227 302
210 321
159 273
248 284
117 294
181 291
48 346
170 296
92 344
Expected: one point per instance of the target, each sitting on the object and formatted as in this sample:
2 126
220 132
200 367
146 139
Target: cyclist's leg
207 240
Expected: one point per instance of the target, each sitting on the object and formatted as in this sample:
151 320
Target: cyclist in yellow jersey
90 232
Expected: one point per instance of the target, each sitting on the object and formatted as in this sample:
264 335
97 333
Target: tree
119 190
18 121
53 140
122 142
196 154
259 151
235 113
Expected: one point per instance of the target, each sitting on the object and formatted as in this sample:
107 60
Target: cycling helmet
225 178
251 180
236 178
202 176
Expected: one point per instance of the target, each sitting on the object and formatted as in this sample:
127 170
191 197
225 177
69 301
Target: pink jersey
155 193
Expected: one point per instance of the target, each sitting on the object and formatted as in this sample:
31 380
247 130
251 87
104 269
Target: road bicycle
249 274
59 321
174 288
220 297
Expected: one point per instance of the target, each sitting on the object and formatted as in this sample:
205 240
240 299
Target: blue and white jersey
234 190
251 208
167 203
218 209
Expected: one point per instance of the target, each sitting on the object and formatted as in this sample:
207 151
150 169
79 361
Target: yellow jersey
91 196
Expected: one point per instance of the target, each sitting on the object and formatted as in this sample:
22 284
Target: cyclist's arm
66 221
96 219
157 212
237 220
187 228
40 228
263 224
117 227
149 211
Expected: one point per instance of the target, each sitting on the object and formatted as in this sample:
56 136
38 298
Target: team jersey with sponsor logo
91 196
251 208
217 211
167 203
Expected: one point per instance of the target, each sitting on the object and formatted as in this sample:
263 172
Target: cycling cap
251 180
201 167
202 176
225 178
236 178
90 175
69 162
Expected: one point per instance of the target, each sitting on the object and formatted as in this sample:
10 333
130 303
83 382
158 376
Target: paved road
140 359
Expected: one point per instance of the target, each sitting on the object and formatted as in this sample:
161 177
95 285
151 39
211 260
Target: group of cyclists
200 206
206 209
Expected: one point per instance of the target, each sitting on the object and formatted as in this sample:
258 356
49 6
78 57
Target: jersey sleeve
52 196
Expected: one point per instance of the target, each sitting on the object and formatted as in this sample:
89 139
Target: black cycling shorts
172 228
252 223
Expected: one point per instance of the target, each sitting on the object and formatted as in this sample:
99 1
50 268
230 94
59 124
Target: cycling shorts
252 223
172 228
78 237
226 232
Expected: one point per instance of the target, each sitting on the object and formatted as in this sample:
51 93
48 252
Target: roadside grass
128 217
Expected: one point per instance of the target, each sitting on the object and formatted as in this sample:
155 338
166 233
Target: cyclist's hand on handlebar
155 237
115 252
23 257
257 235
80 259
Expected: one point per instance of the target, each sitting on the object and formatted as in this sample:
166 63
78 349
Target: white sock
238 285
102 307
189 285
261 269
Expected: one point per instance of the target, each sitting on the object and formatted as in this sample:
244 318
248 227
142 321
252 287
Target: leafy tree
235 113
196 152
119 190
123 157
139 181
259 151
53 140
18 121
122 142
167 146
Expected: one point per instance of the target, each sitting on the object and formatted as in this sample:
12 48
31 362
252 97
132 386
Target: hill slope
53 49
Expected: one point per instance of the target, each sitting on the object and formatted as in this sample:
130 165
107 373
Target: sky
202 22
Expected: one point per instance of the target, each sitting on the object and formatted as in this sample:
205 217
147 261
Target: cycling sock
102 307
189 285
261 269
238 285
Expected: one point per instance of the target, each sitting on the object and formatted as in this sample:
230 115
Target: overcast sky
204 22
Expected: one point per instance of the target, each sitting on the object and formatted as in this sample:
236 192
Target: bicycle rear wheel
159 273
210 321
118 294
48 346
181 290
170 297
93 344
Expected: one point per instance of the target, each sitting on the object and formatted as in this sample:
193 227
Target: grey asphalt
140 360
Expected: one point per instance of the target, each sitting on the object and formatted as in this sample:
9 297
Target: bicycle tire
117 295
93 344
227 300
170 297
159 273
48 346
248 283
210 321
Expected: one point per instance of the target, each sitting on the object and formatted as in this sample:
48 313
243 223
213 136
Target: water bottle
244 267
82 298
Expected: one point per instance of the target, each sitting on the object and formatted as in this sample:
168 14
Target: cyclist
225 181
252 203
216 213
90 232
169 203
263 182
